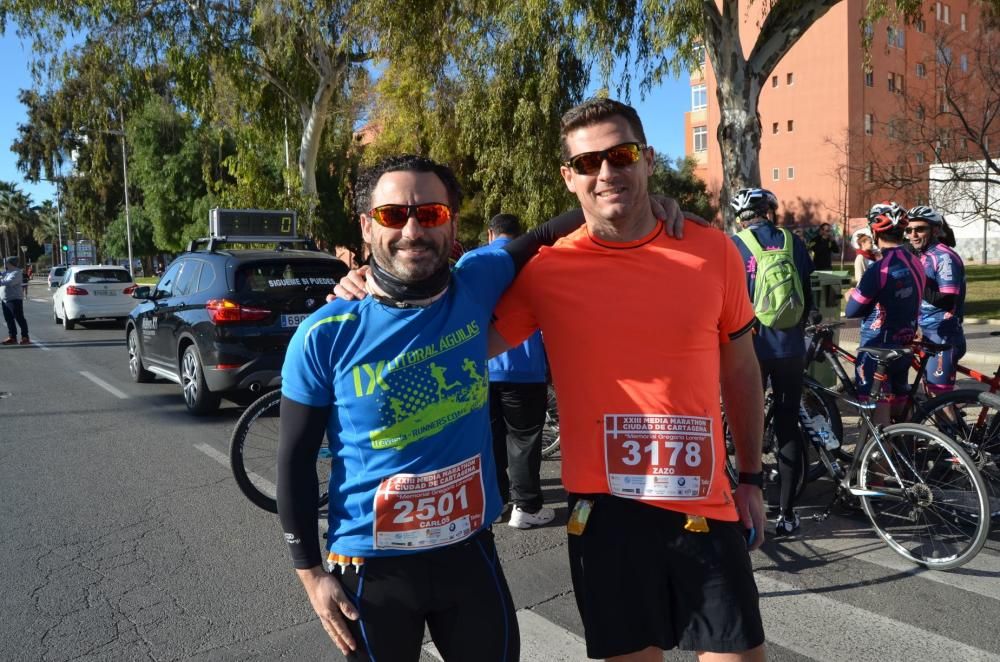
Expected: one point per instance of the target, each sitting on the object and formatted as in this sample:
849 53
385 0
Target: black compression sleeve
933 296
524 247
301 430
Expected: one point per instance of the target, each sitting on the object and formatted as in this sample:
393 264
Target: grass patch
982 295
147 280
982 291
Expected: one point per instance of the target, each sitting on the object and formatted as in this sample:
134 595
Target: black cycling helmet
885 216
757 201
926 214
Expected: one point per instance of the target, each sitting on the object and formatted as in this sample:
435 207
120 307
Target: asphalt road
124 537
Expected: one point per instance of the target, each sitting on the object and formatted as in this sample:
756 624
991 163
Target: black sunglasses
618 156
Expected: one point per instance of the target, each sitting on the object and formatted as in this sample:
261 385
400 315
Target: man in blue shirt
780 352
518 398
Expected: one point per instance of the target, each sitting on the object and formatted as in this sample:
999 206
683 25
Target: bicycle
968 416
253 454
922 492
550 431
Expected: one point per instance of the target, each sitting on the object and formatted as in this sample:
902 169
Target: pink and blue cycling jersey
888 299
943 266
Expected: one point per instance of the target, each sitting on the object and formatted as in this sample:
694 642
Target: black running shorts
459 591
641 580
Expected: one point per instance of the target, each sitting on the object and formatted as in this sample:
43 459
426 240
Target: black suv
219 320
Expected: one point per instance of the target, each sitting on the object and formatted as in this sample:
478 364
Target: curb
979 320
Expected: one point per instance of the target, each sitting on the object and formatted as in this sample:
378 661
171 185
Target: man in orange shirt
639 328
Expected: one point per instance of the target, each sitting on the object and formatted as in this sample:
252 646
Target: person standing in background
12 298
518 397
868 254
823 247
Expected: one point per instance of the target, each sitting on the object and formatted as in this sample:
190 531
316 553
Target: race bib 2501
422 511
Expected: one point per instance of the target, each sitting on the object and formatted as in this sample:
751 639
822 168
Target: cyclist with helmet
943 306
780 352
888 300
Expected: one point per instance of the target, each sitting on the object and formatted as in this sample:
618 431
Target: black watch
756 479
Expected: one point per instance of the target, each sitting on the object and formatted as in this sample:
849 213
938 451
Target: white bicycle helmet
757 201
925 213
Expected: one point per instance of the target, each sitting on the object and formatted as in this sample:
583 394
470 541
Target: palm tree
16 216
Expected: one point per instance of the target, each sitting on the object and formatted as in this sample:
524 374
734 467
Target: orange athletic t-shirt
632 332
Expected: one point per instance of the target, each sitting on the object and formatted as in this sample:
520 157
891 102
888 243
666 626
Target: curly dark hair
368 179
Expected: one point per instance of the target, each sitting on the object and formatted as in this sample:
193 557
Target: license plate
292 321
105 293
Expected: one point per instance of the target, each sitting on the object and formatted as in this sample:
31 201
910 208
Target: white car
56 275
91 292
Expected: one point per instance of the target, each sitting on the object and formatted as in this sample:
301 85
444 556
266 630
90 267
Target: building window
698 58
900 84
920 25
937 10
895 37
869 171
700 138
942 101
943 55
962 20
699 97
946 17
963 61
920 158
791 172
869 31
789 78
921 70
869 121
776 174
791 125
869 79
774 127
892 82
774 81
920 111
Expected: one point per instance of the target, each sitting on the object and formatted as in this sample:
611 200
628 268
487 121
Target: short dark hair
507 224
368 179
894 235
825 225
593 111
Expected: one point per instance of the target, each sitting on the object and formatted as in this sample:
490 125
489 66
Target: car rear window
283 276
103 276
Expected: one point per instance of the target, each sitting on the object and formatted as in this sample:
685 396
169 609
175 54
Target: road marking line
791 615
41 346
541 641
40 300
214 454
106 386
977 576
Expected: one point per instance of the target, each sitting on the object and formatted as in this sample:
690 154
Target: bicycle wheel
972 418
550 432
924 496
253 454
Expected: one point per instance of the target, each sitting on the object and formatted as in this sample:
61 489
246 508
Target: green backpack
778 301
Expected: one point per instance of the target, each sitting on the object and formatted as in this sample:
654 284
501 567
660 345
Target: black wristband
756 479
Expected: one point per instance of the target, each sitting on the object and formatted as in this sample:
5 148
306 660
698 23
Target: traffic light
65 247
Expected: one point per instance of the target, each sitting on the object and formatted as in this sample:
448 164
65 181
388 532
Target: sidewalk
982 339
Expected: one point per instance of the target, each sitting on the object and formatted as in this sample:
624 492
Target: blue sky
662 113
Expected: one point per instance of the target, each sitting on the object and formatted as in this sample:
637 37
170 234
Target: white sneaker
520 519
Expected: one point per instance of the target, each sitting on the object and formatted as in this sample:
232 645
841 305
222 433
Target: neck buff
402 291
871 255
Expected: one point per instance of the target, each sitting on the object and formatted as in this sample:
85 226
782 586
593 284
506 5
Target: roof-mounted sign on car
251 226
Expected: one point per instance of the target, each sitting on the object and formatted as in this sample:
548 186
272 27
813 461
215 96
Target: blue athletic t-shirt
944 267
526 363
409 430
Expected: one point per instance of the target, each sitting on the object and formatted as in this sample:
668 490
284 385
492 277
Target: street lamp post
128 221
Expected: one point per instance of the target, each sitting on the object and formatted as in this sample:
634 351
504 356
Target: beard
410 270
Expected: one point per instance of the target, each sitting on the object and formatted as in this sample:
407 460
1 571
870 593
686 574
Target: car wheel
197 397
139 374
68 324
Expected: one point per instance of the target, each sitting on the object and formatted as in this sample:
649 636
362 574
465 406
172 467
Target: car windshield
103 276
